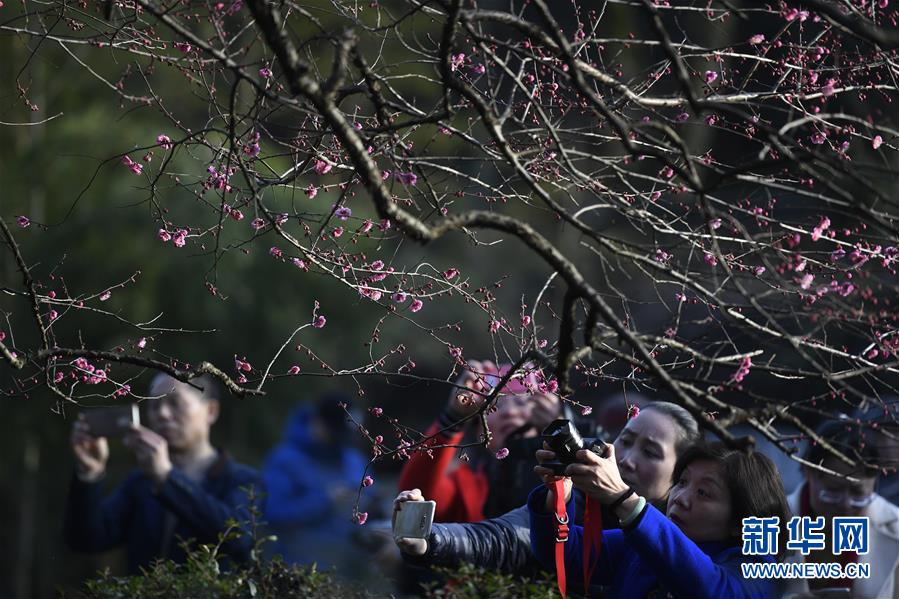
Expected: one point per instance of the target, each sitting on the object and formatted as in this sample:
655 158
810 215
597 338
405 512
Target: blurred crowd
665 508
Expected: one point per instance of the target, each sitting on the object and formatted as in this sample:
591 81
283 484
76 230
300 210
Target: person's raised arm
91 523
429 474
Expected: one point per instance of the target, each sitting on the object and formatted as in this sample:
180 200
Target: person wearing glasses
835 495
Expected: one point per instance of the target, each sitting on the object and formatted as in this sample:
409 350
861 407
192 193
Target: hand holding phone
412 519
91 453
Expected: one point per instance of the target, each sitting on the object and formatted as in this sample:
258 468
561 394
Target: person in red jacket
461 485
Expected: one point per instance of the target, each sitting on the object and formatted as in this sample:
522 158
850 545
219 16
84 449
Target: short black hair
753 481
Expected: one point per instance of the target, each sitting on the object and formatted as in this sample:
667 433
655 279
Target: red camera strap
592 535
558 491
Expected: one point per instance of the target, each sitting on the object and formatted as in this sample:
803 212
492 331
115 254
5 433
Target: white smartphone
414 519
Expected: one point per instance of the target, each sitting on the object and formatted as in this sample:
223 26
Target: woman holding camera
692 553
646 451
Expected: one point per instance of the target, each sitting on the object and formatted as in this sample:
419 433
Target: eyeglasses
838 497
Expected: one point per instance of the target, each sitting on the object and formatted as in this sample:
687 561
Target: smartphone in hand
111 422
414 519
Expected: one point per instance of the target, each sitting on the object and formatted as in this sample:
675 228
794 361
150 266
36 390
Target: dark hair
755 487
688 429
328 409
206 385
849 438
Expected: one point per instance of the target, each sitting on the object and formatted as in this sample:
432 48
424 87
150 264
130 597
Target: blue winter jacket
136 516
298 474
650 555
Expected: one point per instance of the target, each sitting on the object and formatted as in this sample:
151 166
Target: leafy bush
206 574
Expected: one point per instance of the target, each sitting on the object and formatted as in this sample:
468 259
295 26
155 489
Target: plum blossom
164 141
265 72
142 343
743 370
23 221
337 232
311 191
876 142
135 167
758 38
179 238
257 223
164 235
710 259
710 76
399 297
366 226
275 251
241 365
409 178
368 481
456 61
633 411
806 281
236 215
322 168
586 411
502 453
450 274
105 296
416 305
320 322
822 226
294 370
360 518
342 212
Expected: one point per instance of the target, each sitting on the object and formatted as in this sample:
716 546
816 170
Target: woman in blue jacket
694 552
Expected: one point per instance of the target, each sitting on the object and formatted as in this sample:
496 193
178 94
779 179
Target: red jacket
460 494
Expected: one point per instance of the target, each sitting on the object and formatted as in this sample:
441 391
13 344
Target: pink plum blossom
502 453
322 168
320 322
23 221
876 142
416 305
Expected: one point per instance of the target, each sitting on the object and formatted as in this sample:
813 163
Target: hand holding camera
589 463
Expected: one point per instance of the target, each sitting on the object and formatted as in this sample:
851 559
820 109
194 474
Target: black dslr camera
564 439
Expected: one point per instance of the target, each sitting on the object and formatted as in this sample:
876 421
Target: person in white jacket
828 495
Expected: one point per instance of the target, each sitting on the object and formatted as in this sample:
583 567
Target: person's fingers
579 470
586 457
412 546
545 455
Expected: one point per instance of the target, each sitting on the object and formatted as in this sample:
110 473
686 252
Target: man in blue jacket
183 488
